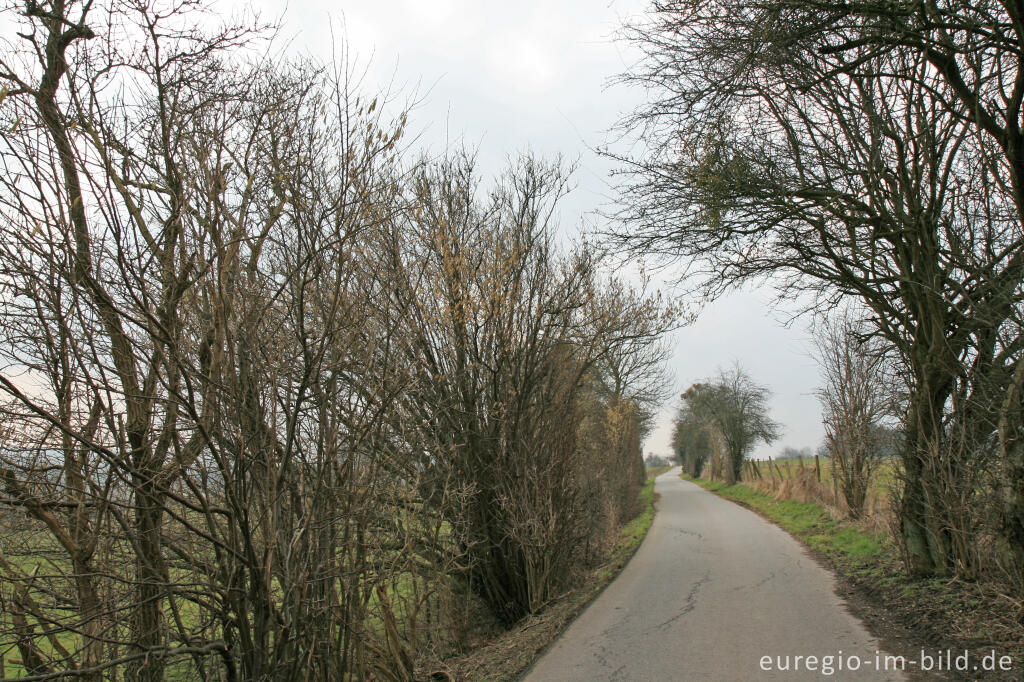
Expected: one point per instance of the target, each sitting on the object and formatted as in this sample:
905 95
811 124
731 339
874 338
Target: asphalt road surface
712 590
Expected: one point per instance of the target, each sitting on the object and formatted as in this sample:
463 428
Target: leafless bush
501 334
274 393
855 401
198 381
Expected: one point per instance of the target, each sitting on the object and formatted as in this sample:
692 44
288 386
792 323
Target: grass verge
509 654
938 612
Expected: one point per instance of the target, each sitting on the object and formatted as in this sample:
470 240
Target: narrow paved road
712 589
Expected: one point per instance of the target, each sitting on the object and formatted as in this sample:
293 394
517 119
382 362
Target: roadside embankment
512 651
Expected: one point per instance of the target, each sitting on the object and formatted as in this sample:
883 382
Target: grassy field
793 477
496 655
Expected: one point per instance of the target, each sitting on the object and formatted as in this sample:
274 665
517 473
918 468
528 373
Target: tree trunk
92 627
1011 447
736 469
912 514
925 549
148 629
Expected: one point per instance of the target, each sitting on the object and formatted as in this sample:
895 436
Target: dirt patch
512 652
909 617
895 634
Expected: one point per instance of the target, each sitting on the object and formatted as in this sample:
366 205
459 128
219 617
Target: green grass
634 531
526 641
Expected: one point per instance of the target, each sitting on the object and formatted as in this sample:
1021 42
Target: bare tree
972 48
735 410
767 160
690 439
271 389
95 201
199 385
501 332
855 401
629 381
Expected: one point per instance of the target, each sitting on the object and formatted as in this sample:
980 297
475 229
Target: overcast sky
506 77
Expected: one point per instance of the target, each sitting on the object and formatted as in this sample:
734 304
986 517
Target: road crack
760 583
683 531
691 601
